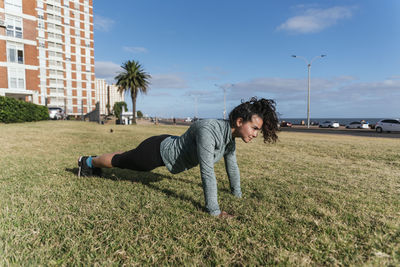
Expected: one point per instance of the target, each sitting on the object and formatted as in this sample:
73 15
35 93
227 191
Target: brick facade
32 80
31 55
29 7
53 58
3 51
4 78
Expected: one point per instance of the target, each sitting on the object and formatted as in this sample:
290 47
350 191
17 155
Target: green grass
309 199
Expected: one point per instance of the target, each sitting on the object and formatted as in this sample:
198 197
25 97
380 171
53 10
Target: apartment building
107 94
47 53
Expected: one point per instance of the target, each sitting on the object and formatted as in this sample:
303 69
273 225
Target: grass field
308 200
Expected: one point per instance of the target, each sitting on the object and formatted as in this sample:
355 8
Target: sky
194 50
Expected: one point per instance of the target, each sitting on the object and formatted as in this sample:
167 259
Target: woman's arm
232 170
205 152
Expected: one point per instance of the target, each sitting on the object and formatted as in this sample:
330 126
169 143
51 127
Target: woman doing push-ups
204 143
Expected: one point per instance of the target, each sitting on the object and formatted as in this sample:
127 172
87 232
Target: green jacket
204 143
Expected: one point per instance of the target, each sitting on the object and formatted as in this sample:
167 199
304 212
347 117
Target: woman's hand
226 215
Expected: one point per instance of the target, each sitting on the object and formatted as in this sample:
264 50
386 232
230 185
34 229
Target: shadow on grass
148 179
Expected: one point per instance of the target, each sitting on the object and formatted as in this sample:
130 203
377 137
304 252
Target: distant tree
133 79
139 114
118 106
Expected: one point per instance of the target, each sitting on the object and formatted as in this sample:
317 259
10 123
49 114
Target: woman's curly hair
265 108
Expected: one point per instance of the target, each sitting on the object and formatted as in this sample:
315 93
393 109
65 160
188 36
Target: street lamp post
224 103
309 68
195 107
224 88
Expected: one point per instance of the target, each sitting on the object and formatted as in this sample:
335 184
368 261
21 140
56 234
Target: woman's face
249 129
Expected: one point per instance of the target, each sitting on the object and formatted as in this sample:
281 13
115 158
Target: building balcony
55 67
56 94
56 76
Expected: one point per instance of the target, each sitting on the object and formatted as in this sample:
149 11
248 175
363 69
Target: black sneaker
96 171
85 170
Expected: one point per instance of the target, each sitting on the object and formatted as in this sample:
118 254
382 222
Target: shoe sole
80 166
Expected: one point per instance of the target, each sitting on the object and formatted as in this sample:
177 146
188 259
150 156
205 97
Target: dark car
286 124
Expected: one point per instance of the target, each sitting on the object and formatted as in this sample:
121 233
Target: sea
341 121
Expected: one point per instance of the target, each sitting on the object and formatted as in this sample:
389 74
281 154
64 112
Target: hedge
12 110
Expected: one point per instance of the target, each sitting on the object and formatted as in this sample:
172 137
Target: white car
329 124
56 113
388 125
357 125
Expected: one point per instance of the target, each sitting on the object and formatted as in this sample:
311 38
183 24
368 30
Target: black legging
145 157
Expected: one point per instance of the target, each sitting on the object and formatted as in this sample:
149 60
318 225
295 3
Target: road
316 129
340 130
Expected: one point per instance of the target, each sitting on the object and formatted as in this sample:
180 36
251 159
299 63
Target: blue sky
193 49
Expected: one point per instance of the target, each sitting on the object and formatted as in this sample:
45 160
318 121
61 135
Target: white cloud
135 49
171 81
199 93
279 87
213 73
385 88
106 70
216 70
315 20
102 23
344 95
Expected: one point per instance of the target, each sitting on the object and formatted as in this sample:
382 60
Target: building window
54 35
55 54
56 83
13 5
55 63
14 26
42 43
41 24
16 78
15 53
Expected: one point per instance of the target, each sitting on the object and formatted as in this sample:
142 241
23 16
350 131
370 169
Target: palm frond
133 79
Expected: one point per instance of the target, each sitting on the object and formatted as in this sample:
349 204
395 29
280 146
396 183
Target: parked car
56 113
329 124
387 125
286 124
357 125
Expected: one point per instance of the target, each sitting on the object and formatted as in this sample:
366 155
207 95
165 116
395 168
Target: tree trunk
134 108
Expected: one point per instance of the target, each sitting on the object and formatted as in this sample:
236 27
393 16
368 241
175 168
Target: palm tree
133 79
